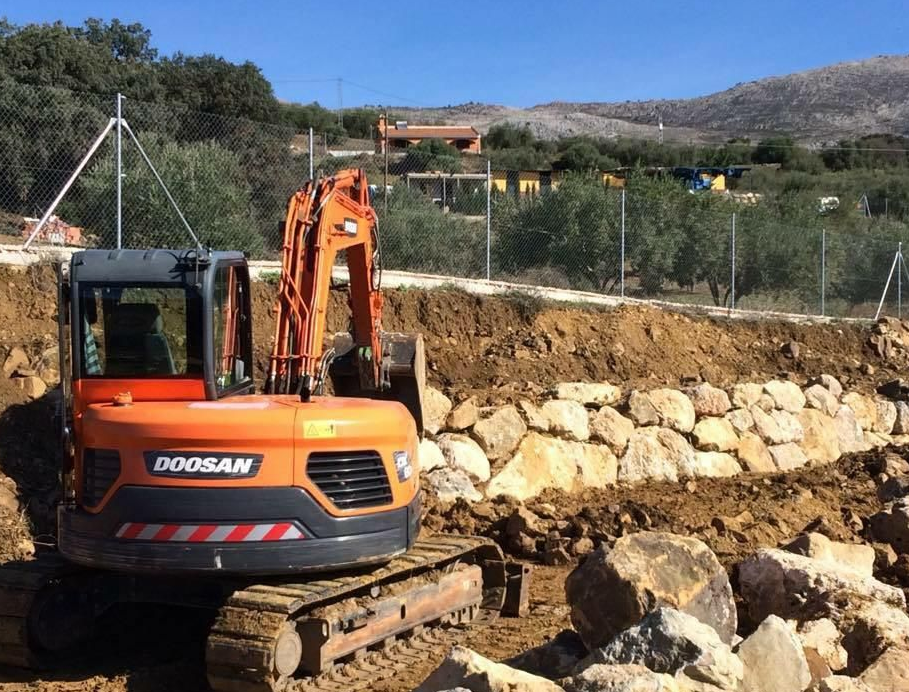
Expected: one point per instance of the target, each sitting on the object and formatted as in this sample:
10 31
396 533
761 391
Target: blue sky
512 53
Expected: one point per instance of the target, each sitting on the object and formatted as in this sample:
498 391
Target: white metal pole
119 171
69 183
488 216
899 284
310 153
732 284
886 286
823 270
622 250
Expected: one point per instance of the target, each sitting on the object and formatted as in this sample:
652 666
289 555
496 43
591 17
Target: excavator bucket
403 367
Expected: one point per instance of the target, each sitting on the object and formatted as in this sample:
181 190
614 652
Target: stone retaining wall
593 435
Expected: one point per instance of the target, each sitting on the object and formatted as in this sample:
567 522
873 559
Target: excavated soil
500 349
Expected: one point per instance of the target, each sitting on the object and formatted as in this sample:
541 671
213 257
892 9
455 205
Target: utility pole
385 149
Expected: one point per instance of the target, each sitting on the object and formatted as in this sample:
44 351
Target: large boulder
545 462
461 452
901 424
609 426
429 456
463 416
589 393
15 360
669 641
816 545
830 383
820 441
713 434
711 465
776 427
870 628
774 659
709 400
620 678
466 668
746 395
777 582
667 407
886 416
741 419
788 456
655 454
533 414
786 395
500 433
435 409
821 638
754 455
890 672
567 419
613 589
450 485
33 386
891 525
849 431
864 408
840 683
818 397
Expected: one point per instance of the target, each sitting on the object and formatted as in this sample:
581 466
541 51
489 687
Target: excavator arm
325 218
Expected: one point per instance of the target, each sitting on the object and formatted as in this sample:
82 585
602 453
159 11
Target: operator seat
136 342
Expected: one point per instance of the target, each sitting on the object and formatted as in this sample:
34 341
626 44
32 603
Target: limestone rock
463 416
830 383
500 433
641 410
711 465
870 628
533 414
849 431
819 439
461 452
430 456
890 672
709 400
567 419
715 435
741 419
817 546
674 409
449 485
669 641
589 393
620 678
776 427
787 456
776 582
886 417
545 462
746 395
655 453
817 396
754 455
15 359
613 589
901 424
786 395
466 668
8 497
435 409
611 427
864 408
823 637
773 659
891 525
840 683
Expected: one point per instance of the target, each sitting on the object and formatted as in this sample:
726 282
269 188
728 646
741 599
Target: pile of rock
657 612
589 435
33 376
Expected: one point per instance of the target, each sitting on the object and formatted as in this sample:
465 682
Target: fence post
311 154
823 270
732 284
899 283
488 215
119 171
622 250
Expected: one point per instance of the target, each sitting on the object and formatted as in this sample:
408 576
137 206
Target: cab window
232 340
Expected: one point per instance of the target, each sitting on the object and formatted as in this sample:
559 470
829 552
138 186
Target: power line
341 80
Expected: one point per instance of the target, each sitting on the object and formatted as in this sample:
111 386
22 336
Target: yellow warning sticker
320 429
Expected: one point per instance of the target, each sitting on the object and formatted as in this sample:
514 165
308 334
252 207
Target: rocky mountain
842 100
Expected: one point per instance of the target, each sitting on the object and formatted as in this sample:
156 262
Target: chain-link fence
441 212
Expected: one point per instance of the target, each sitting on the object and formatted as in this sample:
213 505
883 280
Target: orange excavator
294 514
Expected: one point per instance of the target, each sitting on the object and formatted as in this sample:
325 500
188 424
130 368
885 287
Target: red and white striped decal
209 533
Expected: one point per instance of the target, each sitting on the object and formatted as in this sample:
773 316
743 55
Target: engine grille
100 468
351 480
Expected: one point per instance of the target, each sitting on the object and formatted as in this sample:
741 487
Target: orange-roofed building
401 135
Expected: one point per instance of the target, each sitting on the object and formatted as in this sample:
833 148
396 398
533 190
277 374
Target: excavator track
263 631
